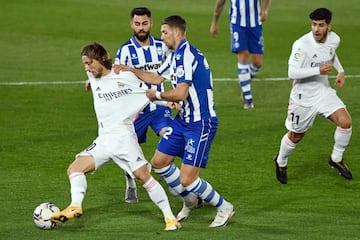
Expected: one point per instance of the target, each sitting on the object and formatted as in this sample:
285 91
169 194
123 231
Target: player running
312 58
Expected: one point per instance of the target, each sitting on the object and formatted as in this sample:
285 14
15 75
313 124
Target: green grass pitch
43 126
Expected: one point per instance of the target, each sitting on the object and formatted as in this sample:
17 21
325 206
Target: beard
97 73
143 37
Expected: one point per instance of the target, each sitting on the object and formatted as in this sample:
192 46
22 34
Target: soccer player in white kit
117 99
312 58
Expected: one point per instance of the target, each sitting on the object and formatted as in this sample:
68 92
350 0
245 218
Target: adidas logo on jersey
315 56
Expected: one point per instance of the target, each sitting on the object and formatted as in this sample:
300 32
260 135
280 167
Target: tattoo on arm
218 9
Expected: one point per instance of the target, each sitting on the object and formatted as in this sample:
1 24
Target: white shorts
123 149
300 118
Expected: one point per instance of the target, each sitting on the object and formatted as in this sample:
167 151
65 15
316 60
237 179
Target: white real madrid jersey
117 99
306 57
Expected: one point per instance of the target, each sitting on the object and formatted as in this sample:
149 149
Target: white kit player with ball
117 99
311 61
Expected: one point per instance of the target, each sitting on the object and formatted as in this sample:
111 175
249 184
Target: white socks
78 186
158 196
342 138
286 148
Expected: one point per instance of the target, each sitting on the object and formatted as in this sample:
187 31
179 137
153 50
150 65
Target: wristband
158 95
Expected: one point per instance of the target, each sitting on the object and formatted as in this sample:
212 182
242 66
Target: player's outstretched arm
149 77
177 94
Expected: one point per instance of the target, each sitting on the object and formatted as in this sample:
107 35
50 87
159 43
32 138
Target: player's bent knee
345 122
345 125
142 174
295 137
83 164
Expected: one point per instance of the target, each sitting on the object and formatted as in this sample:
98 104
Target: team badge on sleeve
297 56
180 71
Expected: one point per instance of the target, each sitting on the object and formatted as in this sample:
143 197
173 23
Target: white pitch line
42 83
215 79
276 78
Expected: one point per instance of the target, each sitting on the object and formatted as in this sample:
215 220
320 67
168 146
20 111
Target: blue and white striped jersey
146 58
245 13
187 64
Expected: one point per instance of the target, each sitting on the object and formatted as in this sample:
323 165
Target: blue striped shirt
245 13
147 58
187 64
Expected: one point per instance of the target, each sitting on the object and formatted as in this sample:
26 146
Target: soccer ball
42 215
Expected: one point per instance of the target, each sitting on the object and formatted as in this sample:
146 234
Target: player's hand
117 68
325 69
87 85
213 30
121 67
174 105
263 15
151 94
340 79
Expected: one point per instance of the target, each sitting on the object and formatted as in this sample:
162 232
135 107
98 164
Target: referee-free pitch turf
46 118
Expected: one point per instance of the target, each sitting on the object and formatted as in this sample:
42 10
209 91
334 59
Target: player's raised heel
184 213
172 224
66 214
187 207
223 215
342 168
281 172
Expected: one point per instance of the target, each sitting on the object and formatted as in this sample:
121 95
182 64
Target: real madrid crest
120 84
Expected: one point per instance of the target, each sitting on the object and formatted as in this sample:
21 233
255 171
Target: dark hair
99 53
321 14
175 21
140 11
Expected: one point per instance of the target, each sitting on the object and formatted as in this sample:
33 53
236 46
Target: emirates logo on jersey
110 96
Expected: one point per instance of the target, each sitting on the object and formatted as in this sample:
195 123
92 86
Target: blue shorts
156 119
247 38
190 141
